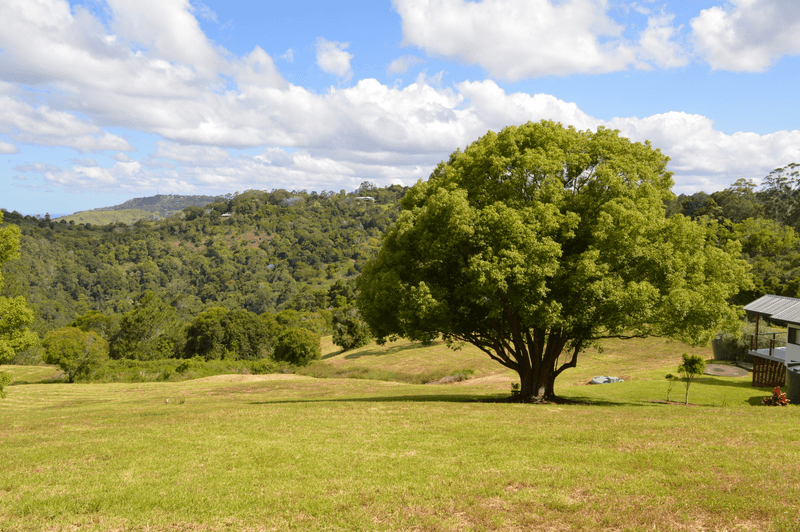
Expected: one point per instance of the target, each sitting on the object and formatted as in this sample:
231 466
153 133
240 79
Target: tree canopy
536 242
15 315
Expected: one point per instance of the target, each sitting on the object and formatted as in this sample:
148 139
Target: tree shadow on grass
452 398
381 351
331 355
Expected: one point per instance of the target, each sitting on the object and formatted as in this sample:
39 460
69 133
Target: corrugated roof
776 308
790 314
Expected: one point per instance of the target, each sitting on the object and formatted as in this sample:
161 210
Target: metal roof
791 315
778 308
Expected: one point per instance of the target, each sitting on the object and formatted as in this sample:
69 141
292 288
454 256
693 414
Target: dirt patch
724 370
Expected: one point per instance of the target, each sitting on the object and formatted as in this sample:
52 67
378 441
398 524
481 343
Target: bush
729 347
76 352
349 330
5 380
297 346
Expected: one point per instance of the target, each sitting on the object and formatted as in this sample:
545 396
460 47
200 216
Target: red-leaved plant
777 398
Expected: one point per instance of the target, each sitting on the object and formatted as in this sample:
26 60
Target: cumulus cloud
204 104
169 29
401 65
747 35
26 123
518 39
6 148
199 155
332 58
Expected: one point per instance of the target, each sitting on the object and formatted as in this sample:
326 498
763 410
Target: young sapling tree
693 365
672 379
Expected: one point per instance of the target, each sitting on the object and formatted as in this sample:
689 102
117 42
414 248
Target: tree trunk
537 387
537 365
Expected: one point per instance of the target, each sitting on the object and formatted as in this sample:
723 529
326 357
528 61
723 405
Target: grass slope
126 216
291 452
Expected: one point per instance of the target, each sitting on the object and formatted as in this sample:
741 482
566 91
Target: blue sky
107 100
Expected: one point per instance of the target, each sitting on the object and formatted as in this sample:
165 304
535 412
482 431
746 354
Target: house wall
793 343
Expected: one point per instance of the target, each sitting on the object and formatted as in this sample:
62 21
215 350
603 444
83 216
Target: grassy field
293 452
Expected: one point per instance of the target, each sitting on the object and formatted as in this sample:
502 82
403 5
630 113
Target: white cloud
6 148
198 155
332 58
747 35
658 43
518 39
203 103
401 65
25 123
169 29
288 55
204 12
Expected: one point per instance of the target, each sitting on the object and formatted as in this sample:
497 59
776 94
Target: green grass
31 374
292 452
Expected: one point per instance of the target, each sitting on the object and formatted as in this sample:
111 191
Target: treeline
765 219
258 253
232 279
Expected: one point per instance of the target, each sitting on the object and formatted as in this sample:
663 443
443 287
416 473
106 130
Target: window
794 336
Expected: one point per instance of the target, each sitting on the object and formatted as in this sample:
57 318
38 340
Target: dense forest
217 280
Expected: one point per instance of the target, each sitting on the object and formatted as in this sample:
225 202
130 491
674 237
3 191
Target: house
776 355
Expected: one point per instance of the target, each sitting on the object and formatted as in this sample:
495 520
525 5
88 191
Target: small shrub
5 380
777 398
672 379
515 389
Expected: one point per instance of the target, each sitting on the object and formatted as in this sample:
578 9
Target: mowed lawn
292 452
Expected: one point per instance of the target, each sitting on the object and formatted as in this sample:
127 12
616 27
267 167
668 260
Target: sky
106 100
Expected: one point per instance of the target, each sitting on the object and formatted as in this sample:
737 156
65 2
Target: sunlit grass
291 452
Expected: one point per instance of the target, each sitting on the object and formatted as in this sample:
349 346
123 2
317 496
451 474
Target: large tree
538 241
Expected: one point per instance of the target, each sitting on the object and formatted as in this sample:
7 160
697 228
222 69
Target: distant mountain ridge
158 206
162 204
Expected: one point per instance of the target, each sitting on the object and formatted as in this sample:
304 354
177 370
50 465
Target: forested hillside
193 283
766 221
257 250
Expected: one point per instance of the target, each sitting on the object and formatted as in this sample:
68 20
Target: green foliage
541 240
149 331
15 314
671 379
94 320
297 346
5 380
279 250
76 352
692 366
220 333
349 330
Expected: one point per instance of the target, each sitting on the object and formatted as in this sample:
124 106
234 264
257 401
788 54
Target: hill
158 206
123 216
261 251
